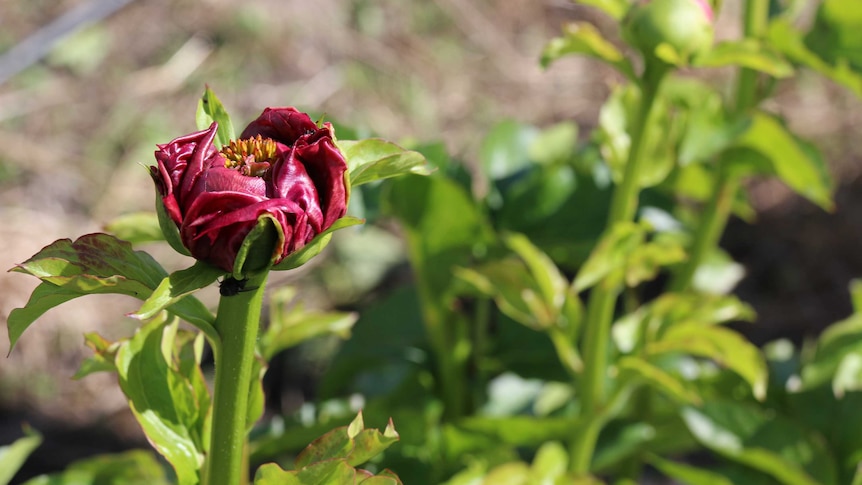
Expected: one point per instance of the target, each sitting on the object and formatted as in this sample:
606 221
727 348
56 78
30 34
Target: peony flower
283 166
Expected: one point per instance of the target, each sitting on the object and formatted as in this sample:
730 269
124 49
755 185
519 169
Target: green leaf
137 227
353 443
687 474
646 260
211 110
839 345
316 245
330 472
726 347
104 356
761 440
516 430
749 53
94 263
178 285
136 467
787 39
797 164
505 149
375 159
615 8
555 144
551 283
13 456
290 324
168 394
674 387
583 38
835 33
550 463
610 254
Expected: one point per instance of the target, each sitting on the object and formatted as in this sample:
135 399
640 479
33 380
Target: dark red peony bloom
283 166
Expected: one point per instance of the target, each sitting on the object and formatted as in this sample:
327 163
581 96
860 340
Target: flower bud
283 167
684 25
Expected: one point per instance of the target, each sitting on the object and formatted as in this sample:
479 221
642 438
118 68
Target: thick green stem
600 309
718 209
237 323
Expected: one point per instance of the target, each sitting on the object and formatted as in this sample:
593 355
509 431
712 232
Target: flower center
251 157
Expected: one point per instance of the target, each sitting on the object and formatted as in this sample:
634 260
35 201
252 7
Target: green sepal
258 250
170 231
375 159
316 245
210 109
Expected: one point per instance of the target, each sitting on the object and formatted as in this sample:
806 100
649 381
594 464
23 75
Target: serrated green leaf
94 263
375 159
13 456
330 472
352 443
749 53
211 110
316 245
583 38
137 227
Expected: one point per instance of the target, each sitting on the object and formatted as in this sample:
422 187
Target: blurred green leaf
797 164
717 274
615 8
550 463
135 467
516 430
787 39
835 33
674 387
168 394
749 53
555 144
505 149
584 38
103 359
137 227
610 254
334 472
726 347
94 263
646 260
688 474
839 345
761 440
374 159
290 324
13 456
211 110
316 245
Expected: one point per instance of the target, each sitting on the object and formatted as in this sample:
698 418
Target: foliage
568 317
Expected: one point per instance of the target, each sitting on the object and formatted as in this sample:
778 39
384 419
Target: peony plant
241 207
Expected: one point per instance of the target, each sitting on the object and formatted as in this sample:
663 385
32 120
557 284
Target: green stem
237 323
718 209
600 309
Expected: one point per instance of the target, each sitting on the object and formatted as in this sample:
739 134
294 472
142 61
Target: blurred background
79 124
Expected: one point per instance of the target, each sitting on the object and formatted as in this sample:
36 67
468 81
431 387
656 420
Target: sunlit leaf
352 443
168 396
374 159
749 53
724 346
136 467
610 255
334 472
313 248
688 474
549 464
137 227
840 341
290 324
761 440
583 38
211 110
673 386
13 456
